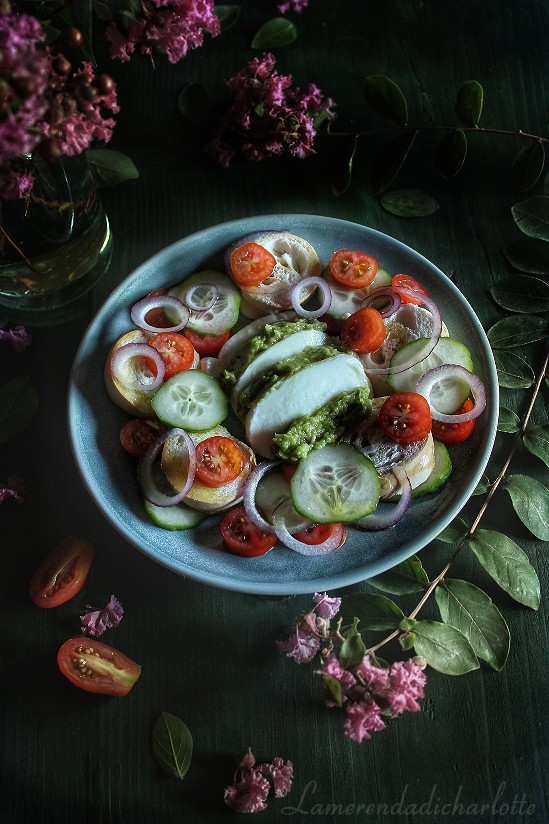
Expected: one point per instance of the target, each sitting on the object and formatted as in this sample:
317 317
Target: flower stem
470 532
19 251
477 129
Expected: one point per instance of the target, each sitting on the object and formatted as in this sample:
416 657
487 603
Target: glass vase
55 243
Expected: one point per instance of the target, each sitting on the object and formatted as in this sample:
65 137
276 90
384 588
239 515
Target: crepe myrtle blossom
252 784
292 5
17 336
171 27
96 621
14 489
311 629
268 116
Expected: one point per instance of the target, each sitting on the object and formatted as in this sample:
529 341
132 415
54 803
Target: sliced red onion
145 473
139 379
201 304
312 550
248 499
384 292
425 350
377 521
140 309
297 290
427 381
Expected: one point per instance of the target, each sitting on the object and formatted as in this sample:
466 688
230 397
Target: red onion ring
376 521
430 343
324 287
200 307
312 550
248 498
384 292
140 309
451 370
145 477
130 351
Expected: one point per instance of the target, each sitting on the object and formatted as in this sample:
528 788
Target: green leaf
517 331
193 102
389 162
341 164
331 690
102 10
508 421
453 533
536 441
469 103
532 216
528 166
373 611
530 500
352 650
274 33
110 167
386 98
522 294
450 154
172 744
405 579
483 486
445 648
513 372
227 15
529 254
407 640
409 203
508 565
18 404
469 609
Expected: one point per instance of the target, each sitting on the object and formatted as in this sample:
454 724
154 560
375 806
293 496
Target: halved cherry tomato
288 471
353 269
139 433
251 264
405 417
207 346
96 667
364 330
318 533
157 317
242 537
455 432
176 351
219 460
407 282
62 574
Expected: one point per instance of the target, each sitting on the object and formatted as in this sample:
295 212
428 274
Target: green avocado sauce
326 425
271 334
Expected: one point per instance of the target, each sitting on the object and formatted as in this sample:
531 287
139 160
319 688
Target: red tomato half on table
353 269
455 432
176 351
207 346
405 417
407 282
62 574
96 667
218 461
251 264
242 537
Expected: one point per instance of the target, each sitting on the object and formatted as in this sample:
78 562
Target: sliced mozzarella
299 395
417 459
285 348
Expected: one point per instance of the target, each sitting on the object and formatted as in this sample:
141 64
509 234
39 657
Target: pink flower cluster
252 784
13 489
17 336
311 629
95 622
172 27
292 5
268 116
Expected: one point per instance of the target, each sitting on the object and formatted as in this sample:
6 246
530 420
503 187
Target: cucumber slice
346 301
335 483
451 393
440 473
175 517
191 400
273 492
223 314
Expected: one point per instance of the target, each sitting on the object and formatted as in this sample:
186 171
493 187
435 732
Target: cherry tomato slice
139 433
407 282
353 269
251 264
242 537
405 417
219 461
455 432
157 317
176 351
207 346
96 667
61 575
318 533
364 330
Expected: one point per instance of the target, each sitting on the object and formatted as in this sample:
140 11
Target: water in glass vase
54 244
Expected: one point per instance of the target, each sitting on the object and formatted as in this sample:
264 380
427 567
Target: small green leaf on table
532 216
390 161
110 167
375 612
406 578
513 371
508 565
193 101
227 15
331 689
385 97
279 31
528 166
341 163
352 649
18 405
469 101
172 744
514 331
536 441
522 293
450 154
530 500
409 203
445 648
529 254
453 533
508 421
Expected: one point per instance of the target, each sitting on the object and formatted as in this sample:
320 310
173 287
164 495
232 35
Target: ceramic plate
109 474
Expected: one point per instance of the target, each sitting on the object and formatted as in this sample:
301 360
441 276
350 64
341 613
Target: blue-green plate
109 474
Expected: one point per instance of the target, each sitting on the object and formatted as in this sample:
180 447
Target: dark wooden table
478 749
